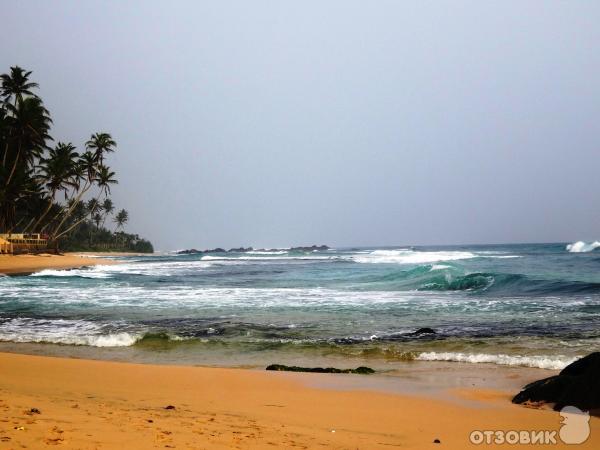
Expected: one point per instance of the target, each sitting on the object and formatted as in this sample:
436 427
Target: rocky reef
193 251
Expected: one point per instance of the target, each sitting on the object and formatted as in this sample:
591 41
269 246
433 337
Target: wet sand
102 404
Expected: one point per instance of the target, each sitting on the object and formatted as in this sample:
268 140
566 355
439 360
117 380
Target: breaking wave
543 362
582 247
64 331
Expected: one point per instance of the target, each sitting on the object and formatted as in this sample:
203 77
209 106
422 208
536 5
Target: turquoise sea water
531 305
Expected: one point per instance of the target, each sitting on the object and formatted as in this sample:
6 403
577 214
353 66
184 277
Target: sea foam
582 247
543 362
411 256
64 331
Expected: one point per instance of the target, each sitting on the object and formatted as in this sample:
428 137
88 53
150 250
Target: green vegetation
53 189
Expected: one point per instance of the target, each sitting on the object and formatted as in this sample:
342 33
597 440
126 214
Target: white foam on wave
266 258
543 362
83 273
439 267
582 247
411 256
265 252
167 268
64 331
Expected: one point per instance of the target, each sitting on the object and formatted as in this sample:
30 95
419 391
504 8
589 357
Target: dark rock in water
310 249
362 370
578 385
215 250
240 250
191 251
423 331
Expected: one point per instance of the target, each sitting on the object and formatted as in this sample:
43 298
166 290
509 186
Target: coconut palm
121 219
108 208
99 144
16 84
97 219
104 178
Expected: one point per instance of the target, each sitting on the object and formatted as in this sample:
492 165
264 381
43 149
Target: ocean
534 305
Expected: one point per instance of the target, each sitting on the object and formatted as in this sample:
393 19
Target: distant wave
268 257
409 256
543 362
582 247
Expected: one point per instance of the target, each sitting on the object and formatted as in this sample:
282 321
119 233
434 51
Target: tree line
52 188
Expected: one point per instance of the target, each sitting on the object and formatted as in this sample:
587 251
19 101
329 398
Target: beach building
5 247
23 242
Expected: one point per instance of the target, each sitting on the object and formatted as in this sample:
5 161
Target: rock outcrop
362 370
578 385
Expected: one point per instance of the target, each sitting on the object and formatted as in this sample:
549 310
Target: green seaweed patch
362 370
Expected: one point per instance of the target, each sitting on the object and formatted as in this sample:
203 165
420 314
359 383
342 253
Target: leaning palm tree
99 144
59 172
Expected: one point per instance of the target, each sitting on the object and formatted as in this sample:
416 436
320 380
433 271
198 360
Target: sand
23 264
99 404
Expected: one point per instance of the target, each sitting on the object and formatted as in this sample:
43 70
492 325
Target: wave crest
582 247
543 362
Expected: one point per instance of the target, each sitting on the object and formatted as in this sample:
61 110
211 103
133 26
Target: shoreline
102 404
28 264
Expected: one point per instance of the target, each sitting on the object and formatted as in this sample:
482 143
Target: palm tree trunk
73 206
45 213
14 167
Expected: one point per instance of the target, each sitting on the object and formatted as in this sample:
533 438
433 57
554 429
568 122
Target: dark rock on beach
578 385
423 331
362 370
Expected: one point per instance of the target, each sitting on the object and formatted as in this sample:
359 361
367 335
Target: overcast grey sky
274 123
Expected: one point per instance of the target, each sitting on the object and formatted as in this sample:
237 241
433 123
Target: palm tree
24 128
93 207
59 172
16 85
29 126
101 143
121 219
104 178
108 208
97 220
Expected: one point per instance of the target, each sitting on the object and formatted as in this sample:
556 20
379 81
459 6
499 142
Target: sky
348 123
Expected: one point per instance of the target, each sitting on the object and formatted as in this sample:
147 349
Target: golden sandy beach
82 404
15 264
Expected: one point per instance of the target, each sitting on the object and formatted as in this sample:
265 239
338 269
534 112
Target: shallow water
530 305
